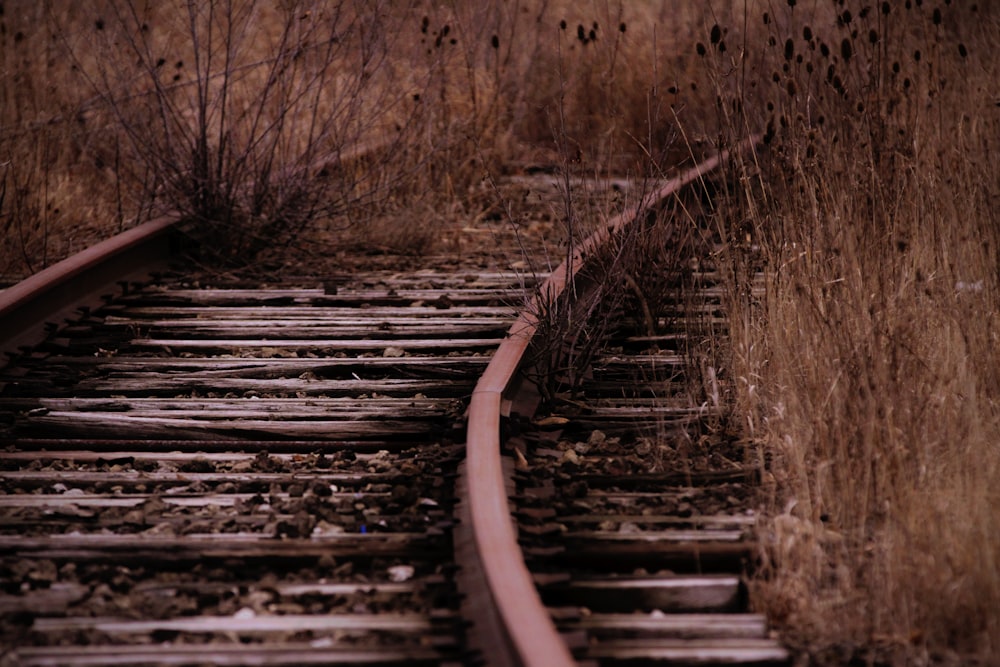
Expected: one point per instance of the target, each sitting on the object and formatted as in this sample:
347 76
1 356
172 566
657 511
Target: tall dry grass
48 170
869 368
115 110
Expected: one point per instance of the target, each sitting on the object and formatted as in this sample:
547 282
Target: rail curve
79 280
510 622
531 636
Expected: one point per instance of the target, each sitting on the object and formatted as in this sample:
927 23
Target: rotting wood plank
639 361
662 519
72 518
262 623
346 292
142 313
130 477
26 500
223 654
282 409
57 378
670 339
143 547
672 594
266 318
285 298
318 343
637 414
353 284
675 625
127 457
693 651
630 498
203 445
587 403
656 537
678 556
293 329
637 422
293 386
344 421
386 588
112 425
279 365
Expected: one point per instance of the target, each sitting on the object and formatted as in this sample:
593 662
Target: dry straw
868 368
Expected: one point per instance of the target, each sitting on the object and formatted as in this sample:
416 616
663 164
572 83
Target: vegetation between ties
865 372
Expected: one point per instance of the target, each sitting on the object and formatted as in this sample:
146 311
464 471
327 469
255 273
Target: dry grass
48 172
113 111
869 368
867 372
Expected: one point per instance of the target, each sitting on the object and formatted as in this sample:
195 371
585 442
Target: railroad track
204 470
634 502
211 473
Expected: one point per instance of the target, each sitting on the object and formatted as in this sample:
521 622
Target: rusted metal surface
532 637
49 295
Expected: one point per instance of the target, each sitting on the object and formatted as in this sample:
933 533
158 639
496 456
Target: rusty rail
529 636
525 631
55 292
52 294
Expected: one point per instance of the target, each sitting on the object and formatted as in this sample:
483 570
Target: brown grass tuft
868 369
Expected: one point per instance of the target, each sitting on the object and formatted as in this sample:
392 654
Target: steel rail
29 306
529 634
527 630
55 292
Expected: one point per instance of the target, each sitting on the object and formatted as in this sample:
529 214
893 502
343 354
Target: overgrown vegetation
232 109
867 370
240 114
869 367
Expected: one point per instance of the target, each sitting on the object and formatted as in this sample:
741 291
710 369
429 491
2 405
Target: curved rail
531 638
52 293
527 632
